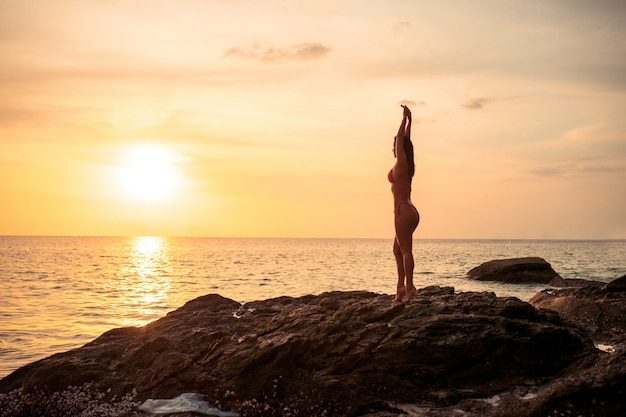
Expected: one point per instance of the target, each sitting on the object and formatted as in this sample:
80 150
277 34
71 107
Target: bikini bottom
407 203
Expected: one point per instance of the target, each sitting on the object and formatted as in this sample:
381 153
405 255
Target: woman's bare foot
408 293
399 294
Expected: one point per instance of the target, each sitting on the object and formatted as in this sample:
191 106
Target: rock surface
618 285
517 271
601 311
345 354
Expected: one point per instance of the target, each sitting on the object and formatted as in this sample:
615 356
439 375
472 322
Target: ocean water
58 293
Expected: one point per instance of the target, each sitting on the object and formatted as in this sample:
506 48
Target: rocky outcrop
580 282
517 271
345 354
601 311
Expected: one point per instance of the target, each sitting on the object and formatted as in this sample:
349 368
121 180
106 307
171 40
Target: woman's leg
406 223
397 253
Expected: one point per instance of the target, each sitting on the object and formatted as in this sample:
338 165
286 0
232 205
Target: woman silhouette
406 217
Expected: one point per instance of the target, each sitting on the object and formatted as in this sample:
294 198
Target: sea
58 293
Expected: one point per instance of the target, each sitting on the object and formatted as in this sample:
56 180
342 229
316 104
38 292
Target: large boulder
618 285
517 271
337 354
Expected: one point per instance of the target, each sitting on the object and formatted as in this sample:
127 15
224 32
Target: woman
406 217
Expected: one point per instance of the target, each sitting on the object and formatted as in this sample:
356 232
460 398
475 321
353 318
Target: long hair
410 157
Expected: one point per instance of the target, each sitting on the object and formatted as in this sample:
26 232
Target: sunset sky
272 118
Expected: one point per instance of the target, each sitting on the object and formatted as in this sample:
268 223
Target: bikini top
391 180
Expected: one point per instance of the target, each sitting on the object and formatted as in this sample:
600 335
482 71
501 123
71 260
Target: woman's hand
407 112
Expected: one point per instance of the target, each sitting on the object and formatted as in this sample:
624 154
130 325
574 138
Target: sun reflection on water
148 276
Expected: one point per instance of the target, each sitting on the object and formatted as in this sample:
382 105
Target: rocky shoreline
351 354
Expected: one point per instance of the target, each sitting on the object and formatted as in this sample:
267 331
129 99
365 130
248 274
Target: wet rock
517 271
342 354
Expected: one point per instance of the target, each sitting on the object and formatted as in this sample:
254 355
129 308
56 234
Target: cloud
297 52
579 167
412 103
547 171
401 27
476 103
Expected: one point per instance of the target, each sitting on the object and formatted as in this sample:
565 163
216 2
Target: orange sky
276 118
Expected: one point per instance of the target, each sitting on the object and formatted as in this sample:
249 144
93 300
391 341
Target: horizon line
320 238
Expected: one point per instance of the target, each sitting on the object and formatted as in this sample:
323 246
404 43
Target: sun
149 173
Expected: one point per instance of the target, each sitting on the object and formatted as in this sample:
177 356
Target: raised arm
407 114
403 131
